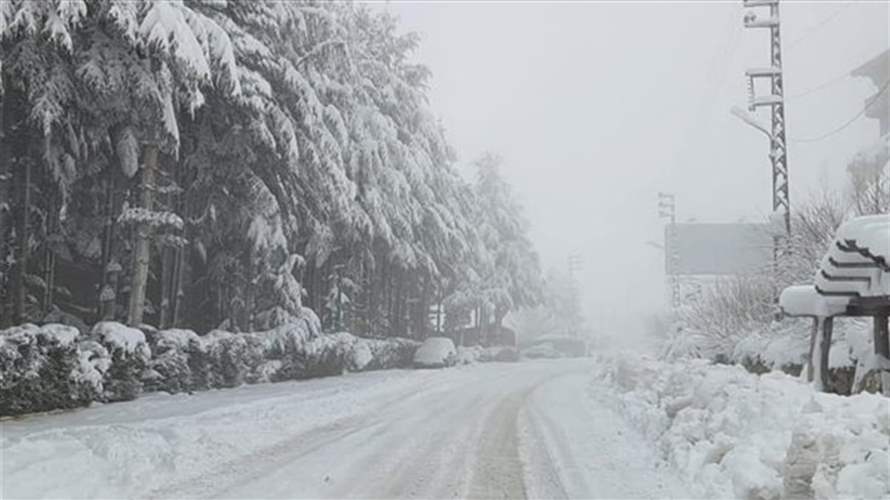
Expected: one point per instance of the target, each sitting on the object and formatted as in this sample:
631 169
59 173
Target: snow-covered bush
48 367
184 361
178 359
234 358
391 353
130 356
733 434
726 312
330 355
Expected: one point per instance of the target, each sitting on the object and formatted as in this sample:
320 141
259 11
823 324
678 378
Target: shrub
391 353
130 356
178 360
46 368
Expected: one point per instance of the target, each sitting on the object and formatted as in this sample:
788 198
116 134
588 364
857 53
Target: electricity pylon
667 208
775 101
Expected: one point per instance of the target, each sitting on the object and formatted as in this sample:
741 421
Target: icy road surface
508 430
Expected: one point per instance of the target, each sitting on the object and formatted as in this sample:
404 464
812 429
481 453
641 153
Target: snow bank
731 433
784 350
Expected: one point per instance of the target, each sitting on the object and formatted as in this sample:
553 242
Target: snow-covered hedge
391 353
130 356
55 366
731 433
49 367
185 361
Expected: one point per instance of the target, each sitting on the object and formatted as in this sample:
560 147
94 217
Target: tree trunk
167 264
142 247
102 308
5 194
13 233
23 252
49 263
178 292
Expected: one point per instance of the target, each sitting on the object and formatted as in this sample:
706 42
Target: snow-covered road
507 430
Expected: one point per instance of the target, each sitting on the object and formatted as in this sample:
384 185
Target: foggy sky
595 107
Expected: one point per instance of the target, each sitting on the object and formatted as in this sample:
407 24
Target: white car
435 352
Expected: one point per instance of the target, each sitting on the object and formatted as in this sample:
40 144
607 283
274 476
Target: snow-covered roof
856 265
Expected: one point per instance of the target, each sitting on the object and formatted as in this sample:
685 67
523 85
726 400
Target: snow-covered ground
730 433
614 427
471 431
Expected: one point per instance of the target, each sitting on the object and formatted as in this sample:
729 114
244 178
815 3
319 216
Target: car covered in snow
542 350
436 352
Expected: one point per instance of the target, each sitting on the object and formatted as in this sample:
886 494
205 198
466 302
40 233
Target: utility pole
575 263
667 208
776 102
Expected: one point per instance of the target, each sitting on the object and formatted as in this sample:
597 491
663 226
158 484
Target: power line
849 122
819 87
827 83
808 31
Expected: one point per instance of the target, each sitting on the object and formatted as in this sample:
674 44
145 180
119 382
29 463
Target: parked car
435 352
501 353
542 350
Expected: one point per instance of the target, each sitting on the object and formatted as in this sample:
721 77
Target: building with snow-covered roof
877 69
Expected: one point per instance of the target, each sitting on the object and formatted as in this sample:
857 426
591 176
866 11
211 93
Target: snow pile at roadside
731 433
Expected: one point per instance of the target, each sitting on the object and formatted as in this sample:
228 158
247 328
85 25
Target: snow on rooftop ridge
119 335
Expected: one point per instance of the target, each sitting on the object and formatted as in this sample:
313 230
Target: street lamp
750 120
